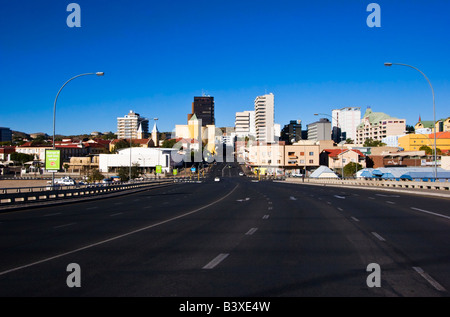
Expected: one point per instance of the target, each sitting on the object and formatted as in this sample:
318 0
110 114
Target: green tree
410 129
169 143
95 175
373 143
124 172
430 151
351 168
124 144
21 158
109 136
349 141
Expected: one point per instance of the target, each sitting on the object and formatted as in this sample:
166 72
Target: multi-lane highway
233 238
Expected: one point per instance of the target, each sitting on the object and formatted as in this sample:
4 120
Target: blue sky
314 56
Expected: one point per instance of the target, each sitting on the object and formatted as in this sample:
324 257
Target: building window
311 153
311 161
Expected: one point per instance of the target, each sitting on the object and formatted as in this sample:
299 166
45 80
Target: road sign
158 169
193 169
175 171
52 160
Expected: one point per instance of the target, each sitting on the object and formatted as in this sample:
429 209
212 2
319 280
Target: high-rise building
132 126
378 125
245 124
203 108
5 135
264 118
292 132
347 120
319 130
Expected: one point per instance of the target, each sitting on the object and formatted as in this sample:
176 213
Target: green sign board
52 160
158 169
175 171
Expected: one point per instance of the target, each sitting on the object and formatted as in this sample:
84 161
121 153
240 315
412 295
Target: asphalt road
233 238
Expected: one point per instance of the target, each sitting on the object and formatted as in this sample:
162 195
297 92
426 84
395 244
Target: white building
347 119
319 130
132 126
143 157
264 118
245 123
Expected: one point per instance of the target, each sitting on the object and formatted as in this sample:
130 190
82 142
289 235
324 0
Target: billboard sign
52 160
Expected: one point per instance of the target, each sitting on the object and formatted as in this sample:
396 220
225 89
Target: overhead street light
54 109
434 111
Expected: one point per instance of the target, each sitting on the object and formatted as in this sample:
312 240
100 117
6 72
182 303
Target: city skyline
157 56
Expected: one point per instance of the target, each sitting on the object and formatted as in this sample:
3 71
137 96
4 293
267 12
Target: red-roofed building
338 158
5 151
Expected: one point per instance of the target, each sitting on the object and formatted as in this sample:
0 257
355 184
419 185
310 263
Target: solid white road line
429 279
431 213
49 215
251 231
378 236
216 261
66 225
119 236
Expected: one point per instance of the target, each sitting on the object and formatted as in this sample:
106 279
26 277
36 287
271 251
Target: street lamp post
54 109
342 143
434 110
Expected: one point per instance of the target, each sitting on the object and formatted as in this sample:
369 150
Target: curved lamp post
434 110
54 109
342 144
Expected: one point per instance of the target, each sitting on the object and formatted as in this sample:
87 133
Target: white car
217 179
65 181
241 174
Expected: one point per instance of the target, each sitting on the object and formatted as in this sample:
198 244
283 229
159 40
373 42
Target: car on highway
68 181
108 180
241 174
217 179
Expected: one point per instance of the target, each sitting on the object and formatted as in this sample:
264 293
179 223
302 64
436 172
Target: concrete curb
408 191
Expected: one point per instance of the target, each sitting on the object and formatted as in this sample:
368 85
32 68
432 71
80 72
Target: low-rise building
377 126
338 158
413 142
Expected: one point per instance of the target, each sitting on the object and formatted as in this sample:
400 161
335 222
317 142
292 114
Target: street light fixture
54 109
434 111
342 143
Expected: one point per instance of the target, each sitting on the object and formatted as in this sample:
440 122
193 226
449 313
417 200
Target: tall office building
203 108
319 130
292 132
5 135
347 119
132 126
245 123
264 118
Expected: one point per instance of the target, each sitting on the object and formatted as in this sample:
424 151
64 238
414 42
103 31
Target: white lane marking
138 199
383 195
354 218
269 202
292 198
371 197
390 202
269 208
113 215
329 203
340 209
91 208
378 236
431 213
264 217
66 225
340 197
429 279
117 237
216 261
251 231
49 215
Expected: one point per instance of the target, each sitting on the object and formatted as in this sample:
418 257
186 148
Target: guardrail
441 185
11 196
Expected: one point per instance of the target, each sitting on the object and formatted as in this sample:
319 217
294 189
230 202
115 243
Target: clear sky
314 56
